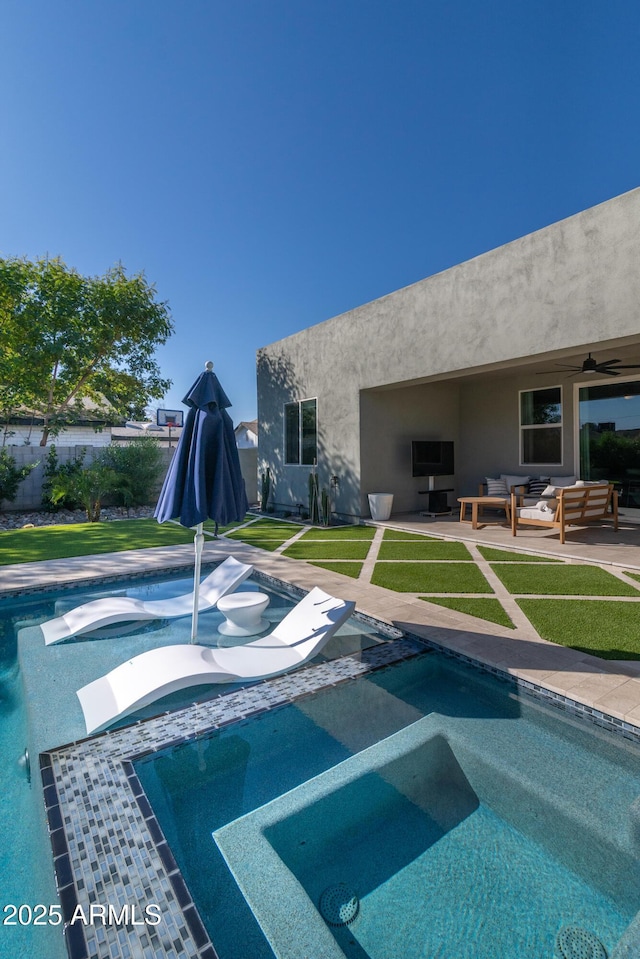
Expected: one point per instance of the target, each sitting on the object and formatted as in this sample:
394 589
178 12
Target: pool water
39 710
25 861
25 857
400 833
518 824
26 704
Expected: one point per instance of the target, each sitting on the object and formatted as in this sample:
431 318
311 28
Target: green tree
614 454
69 339
14 372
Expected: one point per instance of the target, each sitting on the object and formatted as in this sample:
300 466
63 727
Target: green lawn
84 539
481 607
562 580
423 549
269 527
602 627
507 556
430 578
403 534
225 529
314 549
339 532
265 534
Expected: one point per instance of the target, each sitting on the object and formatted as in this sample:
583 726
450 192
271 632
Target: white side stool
243 613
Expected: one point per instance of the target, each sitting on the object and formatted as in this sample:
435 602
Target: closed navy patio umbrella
204 480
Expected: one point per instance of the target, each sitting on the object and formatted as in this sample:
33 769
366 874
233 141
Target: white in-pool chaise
299 637
100 613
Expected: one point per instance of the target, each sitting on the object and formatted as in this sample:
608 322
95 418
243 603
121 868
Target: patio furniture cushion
561 481
496 487
543 510
537 486
511 480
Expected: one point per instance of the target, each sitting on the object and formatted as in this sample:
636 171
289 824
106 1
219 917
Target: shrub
127 474
138 466
11 475
54 471
265 489
89 486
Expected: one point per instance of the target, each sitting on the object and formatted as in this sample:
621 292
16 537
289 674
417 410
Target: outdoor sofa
559 507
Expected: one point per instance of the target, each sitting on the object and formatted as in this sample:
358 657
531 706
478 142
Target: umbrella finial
209 366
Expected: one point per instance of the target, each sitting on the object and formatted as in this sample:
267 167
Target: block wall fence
30 490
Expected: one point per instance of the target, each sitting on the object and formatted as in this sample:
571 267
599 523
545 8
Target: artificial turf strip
346 568
210 526
273 526
85 539
339 532
423 549
320 550
506 556
249 535
256 533
601 627
488 609
403 534
430 578
561 580
260 542
266 542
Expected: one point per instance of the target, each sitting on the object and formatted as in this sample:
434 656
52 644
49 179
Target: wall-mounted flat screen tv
432 457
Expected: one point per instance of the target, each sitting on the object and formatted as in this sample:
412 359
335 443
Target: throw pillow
537 487
496 487
510 481
562 480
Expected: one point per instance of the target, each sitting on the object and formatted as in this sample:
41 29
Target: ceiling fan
609 367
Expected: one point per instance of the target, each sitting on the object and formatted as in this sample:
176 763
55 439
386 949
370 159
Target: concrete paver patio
608 685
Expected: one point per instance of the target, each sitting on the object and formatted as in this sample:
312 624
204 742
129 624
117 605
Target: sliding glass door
609 423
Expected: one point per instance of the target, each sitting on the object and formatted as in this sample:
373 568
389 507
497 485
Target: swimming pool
39 710
110 844
465 819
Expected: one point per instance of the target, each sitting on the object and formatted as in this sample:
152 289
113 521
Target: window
609 419
301 433
541 427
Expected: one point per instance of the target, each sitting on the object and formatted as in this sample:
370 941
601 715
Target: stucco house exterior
473 356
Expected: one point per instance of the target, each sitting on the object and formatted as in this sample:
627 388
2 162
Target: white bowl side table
243 613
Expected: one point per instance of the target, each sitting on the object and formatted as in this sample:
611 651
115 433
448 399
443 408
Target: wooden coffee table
475 502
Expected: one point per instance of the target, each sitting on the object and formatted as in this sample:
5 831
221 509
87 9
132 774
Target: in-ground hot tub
431 842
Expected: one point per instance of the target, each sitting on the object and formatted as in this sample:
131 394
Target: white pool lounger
147 677
122 609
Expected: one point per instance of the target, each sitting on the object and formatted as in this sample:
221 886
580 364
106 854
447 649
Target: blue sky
272 163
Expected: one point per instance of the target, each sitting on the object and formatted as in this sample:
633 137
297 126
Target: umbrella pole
198 542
